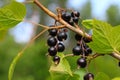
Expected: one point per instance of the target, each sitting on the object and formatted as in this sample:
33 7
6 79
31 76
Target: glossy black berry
87 40
81 62
60 47
53 32
77 50
52 41
66 16
52 51
78 37
75 19
61 36
75 14
89 50
89 76
56 59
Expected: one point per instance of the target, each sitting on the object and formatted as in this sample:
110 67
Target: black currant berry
75 14
66 16
60 47
88 50
56 59
77 50
82 62
78 37
53 32
89 76
75 19
52 51
61 36
87 40
52 41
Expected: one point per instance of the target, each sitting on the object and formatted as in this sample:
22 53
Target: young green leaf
101 76
11 15
62 67
88 23
105 38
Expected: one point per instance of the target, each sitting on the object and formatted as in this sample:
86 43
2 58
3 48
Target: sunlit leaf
88 23
62 67
11 15
101 76
105 38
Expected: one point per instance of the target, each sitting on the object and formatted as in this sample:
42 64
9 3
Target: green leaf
88 23
11 15
2 34
101 76
117 78
106 39
62 67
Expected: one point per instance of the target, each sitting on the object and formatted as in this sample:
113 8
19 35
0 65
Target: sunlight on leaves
105 38
11 15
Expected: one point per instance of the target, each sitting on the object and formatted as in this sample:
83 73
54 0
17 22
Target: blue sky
23 30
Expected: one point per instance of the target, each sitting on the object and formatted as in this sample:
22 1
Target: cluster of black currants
71 18
55 42
81 49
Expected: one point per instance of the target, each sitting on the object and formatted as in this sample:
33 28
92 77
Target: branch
57 18
51 14
115 55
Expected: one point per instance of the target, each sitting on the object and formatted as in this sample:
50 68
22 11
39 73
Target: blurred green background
34 64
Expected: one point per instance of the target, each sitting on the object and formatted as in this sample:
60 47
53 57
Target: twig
115 55
51 14
79 31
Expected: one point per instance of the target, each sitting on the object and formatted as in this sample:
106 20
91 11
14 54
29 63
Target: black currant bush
88 49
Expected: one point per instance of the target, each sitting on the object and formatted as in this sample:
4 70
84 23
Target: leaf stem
13 64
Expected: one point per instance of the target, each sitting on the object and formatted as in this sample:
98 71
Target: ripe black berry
89 50
53 32
52 51
66 16
75 14
60 47
82 62
51 41
75 19
87 40
61 36
78 37
56 59
89 76
77 50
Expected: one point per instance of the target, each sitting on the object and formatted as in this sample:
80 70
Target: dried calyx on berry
56 59
88 76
